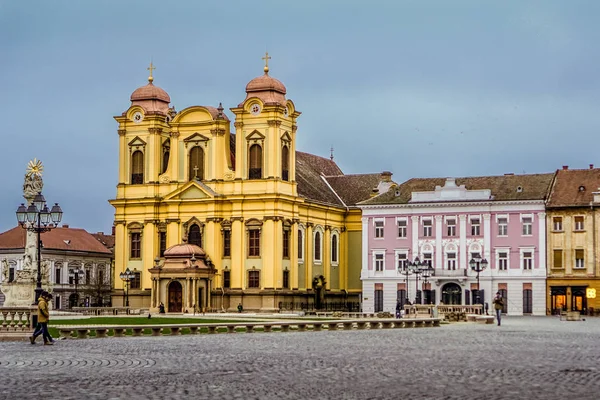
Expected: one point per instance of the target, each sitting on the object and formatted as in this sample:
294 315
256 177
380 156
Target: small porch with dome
183 282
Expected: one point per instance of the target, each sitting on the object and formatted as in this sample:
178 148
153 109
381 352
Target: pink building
448 222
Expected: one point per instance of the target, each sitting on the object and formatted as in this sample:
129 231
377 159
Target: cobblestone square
526 358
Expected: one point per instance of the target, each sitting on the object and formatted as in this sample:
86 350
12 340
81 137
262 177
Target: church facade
274 228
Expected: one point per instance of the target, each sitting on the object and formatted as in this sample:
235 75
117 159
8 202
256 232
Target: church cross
195 171
151 68
266 58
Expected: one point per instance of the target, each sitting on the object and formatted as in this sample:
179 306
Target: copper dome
150 92
184 250
265 83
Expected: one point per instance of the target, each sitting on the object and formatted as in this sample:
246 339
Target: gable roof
107 240
503 188
65 239
353 189
565 191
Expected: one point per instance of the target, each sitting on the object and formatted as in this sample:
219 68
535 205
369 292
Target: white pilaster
542 240
487 236
415 236
438 241
365 245
462 241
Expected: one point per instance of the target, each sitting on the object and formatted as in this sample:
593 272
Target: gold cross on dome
151 68
266 58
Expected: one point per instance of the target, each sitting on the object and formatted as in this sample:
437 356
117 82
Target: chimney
565 167
386 176
509 174
591 166
65 225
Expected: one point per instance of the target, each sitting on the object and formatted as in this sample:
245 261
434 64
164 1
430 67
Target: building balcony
449 272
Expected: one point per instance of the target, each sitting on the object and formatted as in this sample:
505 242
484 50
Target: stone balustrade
83 332
16 323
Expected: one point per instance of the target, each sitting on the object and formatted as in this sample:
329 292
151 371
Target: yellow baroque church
208 220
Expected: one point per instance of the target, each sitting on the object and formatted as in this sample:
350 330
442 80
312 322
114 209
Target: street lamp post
478 265
417 269
127 276
426 273
406 271
38 219
75 274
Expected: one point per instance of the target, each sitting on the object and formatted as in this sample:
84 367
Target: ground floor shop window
558 299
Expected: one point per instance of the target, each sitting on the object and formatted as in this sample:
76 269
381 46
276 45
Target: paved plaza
526 358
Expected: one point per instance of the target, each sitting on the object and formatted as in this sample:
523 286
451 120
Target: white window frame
505 226
430 220
451 226
318 229
499 260
451 262
522 252
404 220
425 257
575 223
557 226
379 231
576 264
478 224
398 258
377 253
526 227
337 235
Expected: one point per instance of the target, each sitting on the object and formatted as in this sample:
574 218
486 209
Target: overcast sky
420 88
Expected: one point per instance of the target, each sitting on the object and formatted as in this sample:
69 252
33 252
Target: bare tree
97 289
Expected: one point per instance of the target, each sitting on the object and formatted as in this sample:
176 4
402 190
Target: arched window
255 162
334 248
196 163
137 167
300 244
285 163
194 235
166 150
317 246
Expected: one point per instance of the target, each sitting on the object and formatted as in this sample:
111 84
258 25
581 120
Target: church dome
265 83
184 250
150 92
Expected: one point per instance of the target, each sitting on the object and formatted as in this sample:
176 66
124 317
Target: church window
196 164
334 248
254 243
100 277
286 279
136 241
285 163
227 279
162 243
286 240
137 168
194 235
300 244
226 243
317 246
255 170
254 279
166 150
136 283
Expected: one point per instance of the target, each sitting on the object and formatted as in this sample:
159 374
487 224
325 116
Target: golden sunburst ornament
35 168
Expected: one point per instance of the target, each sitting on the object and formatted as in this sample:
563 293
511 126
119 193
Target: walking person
43 318
498 306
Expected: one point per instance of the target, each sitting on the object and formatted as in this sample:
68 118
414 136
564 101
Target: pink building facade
448 222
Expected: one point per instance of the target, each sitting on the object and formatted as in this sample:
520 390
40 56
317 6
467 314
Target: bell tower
265 126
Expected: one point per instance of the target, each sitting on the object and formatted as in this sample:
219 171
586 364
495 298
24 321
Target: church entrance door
175 297
451 294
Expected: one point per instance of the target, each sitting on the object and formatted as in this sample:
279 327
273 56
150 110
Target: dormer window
582 188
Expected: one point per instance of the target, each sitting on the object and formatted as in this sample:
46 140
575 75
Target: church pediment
255 135
195 140
192 190
136 142
286 137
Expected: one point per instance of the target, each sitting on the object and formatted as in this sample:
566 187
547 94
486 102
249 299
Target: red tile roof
65 239
574 187
503 188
